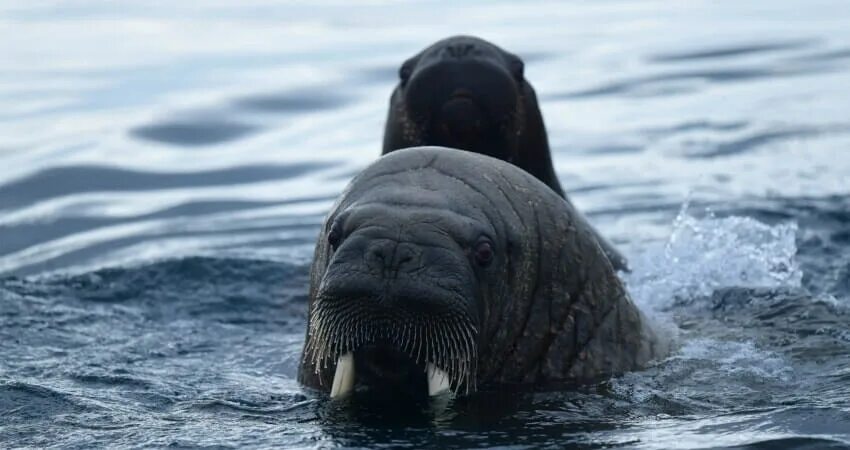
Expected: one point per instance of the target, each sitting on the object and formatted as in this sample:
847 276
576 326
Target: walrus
466 93
439 270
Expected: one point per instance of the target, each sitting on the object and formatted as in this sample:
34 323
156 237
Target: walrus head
464 92
400 297
443 270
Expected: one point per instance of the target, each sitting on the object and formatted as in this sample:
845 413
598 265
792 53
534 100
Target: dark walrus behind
439 269
466 93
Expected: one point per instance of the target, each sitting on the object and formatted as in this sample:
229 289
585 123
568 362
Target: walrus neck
534 155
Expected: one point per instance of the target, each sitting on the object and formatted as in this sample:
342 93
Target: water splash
704 254
700 256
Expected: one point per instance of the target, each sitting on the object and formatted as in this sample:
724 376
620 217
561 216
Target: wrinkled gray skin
548 309
466 93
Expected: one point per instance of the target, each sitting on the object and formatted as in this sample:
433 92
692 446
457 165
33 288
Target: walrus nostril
390 257
460 50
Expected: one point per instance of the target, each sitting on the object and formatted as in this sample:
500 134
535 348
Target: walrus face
398 306
465 93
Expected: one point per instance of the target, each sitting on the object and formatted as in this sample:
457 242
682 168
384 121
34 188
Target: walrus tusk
438 381
344 376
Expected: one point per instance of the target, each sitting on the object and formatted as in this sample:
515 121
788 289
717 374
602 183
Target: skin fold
465 261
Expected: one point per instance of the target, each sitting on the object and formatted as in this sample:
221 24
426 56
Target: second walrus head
466 93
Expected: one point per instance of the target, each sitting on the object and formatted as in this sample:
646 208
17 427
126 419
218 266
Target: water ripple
732 51
293 102
67 180
193 134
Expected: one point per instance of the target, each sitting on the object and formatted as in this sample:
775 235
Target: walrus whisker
439 345
450 342
418 340
339 327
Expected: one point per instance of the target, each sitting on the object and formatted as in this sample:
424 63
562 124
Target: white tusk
344 375
438 381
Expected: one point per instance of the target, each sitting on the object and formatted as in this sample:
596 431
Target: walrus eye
334 237
484 253
405 71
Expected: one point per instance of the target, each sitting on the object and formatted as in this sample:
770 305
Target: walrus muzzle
387 323
460 122
470 102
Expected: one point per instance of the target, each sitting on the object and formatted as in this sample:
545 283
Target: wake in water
704 255
728 289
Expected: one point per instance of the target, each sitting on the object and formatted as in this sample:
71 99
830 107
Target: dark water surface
164 168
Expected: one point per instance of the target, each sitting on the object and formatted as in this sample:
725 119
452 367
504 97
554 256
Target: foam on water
704 254
736 359
700 256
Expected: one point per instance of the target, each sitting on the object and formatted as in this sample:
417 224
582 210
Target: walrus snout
388 338
396 307
460 121
488 83
469 103
389 257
